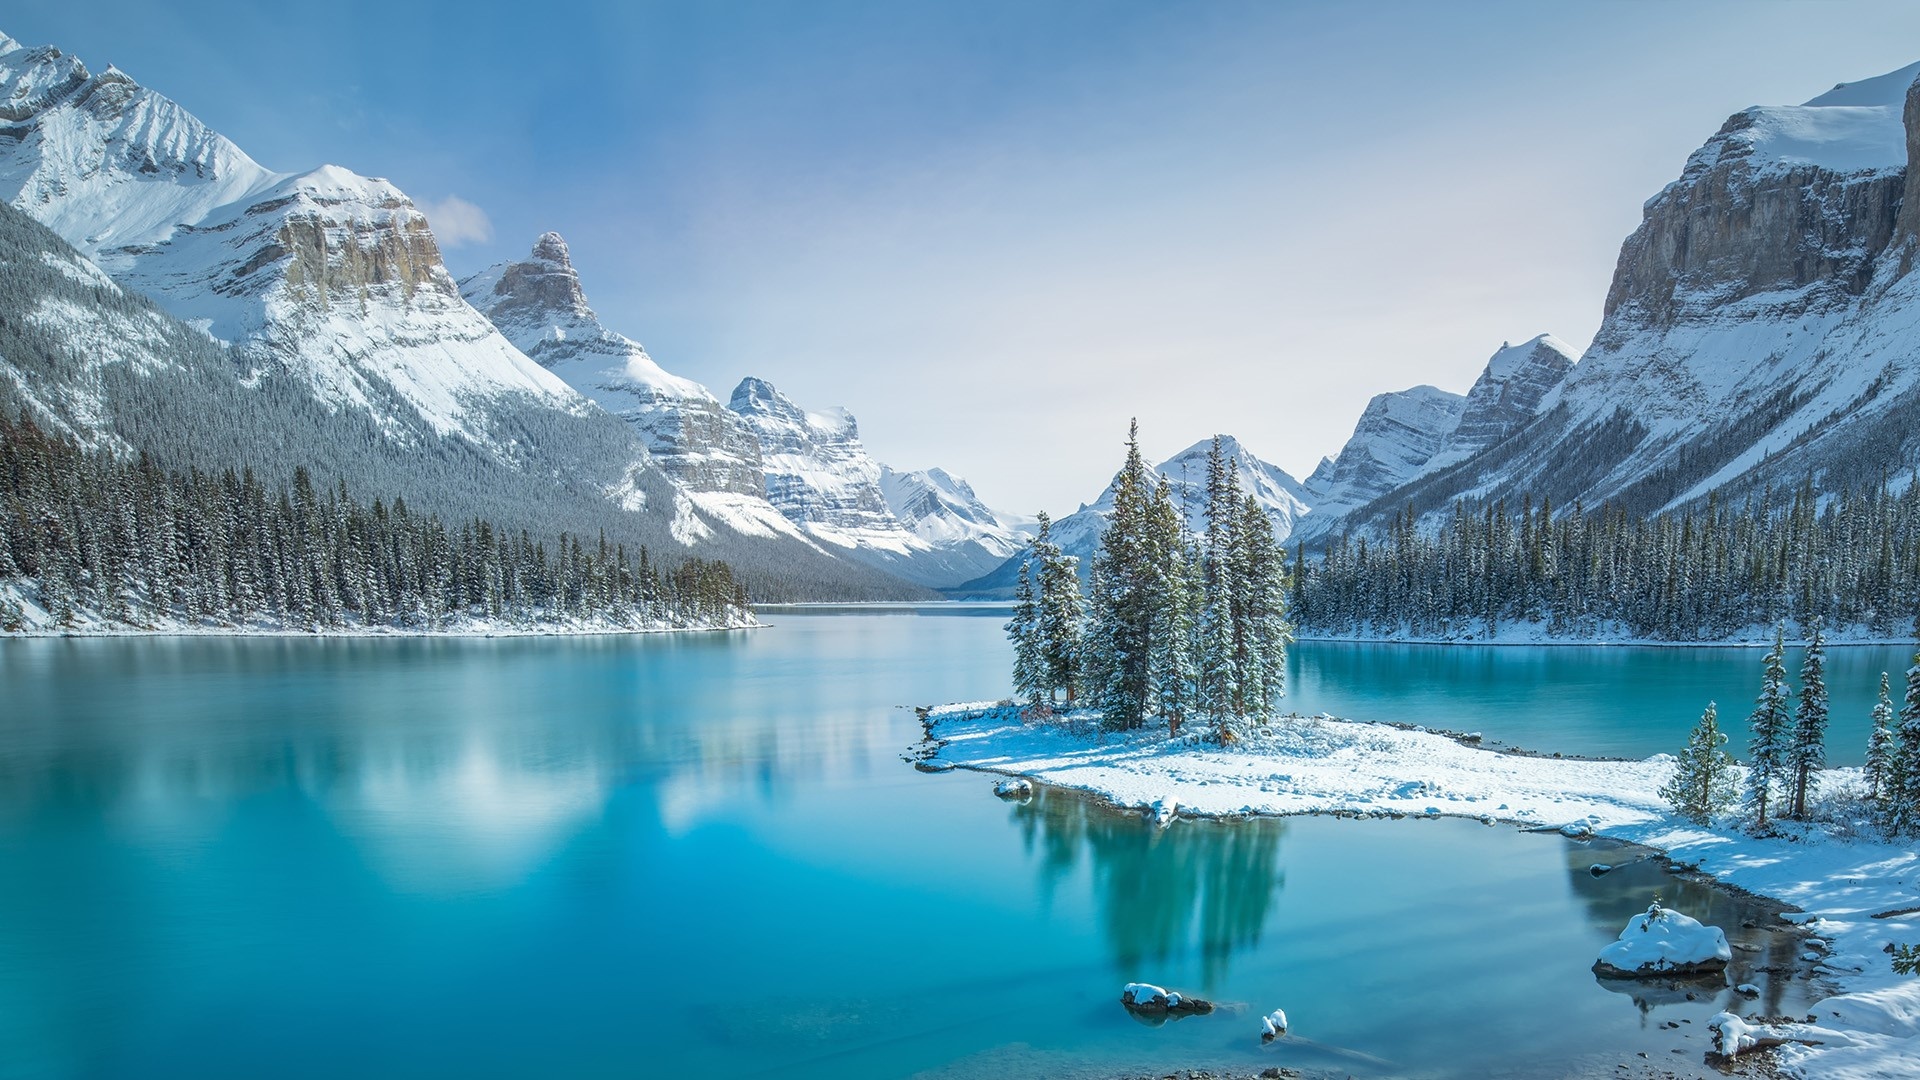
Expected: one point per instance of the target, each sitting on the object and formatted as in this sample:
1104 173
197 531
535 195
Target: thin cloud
457 222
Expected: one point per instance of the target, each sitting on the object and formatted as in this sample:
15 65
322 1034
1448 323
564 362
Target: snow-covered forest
1851 561
92 540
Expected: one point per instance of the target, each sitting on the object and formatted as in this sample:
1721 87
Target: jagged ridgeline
1725 570
90 361
102 542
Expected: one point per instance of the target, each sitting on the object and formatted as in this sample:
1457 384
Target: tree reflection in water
1195 889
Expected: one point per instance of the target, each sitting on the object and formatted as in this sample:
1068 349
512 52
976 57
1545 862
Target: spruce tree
1060 614
1702 785
1123 599
1029 666
1174 667
1772 731
1881 747
1903 789
1808 754
1219 679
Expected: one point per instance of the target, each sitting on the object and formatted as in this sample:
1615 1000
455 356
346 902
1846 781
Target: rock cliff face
539 305
818 472
1397 434
1760 327
927 527
1507 396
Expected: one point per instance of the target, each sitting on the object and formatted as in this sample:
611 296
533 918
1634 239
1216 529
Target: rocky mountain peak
759 398
540 287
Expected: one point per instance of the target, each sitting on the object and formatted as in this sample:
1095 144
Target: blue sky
995 231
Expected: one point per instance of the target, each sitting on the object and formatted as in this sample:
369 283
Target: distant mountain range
317 309
1762 331
171 295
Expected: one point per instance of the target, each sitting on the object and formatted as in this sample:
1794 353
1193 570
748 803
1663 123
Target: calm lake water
703 856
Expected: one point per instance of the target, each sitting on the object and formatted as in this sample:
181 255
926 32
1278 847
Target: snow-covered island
1858 895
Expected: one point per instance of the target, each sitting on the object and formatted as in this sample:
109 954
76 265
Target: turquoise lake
702 855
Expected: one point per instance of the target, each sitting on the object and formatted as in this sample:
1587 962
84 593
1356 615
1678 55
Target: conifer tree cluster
1177 627
1701 574
126 542
1786 751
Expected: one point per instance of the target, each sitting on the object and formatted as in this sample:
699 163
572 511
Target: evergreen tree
1702 786
1125 593
1903 789
1880 746
1260 610
1808 754
1060 614
1174 660
1772 732
1219 678
1029 663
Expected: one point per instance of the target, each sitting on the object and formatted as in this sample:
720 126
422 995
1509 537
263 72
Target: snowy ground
1324 765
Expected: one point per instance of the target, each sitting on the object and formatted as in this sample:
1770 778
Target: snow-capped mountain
1406 435
942 509
334 275
926 527
1506 397
339 339
761 465
540 307
1284 499
1397 434
1762 328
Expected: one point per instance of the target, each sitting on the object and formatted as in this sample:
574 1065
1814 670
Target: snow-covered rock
1733 1036
1014 788
1273 1025
538 303
1506 397
1662 942
1153 1000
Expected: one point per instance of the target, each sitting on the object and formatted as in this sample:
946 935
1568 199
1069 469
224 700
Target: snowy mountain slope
1507 396
103 161
1760 328
1396 435
539 305
335 312
1284 499
88 358
336 274
926 527
942 509
339 276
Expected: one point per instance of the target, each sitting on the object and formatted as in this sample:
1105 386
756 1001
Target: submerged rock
1663 943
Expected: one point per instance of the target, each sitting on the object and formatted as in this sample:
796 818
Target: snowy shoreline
361 632
1854 895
